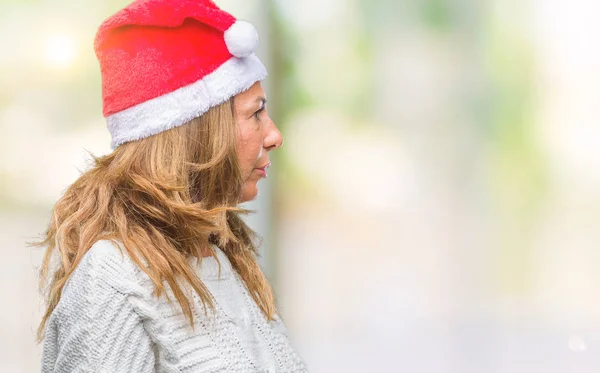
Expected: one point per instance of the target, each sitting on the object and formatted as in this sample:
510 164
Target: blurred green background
435 208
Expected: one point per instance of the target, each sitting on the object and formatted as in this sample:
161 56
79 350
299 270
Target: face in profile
256 136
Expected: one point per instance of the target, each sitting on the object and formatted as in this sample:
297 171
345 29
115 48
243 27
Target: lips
263 170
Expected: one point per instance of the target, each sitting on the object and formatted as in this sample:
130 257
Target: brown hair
166 198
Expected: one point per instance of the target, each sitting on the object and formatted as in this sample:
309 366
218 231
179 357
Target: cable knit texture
109 321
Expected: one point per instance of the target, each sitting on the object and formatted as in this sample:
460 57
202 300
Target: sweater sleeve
96 326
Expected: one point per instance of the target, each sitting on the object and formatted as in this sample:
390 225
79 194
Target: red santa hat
165 62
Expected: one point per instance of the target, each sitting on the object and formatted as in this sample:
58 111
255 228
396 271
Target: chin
248 198
249 194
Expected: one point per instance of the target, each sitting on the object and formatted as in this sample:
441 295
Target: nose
273 138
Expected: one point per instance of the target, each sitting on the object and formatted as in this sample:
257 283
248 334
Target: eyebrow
249 107
262 100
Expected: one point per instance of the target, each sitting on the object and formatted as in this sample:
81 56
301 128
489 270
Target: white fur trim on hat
184 104
241 39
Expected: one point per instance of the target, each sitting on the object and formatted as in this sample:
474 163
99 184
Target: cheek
249 150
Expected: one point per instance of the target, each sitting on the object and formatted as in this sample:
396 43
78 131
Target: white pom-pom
241 39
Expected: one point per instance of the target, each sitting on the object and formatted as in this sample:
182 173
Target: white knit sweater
108 321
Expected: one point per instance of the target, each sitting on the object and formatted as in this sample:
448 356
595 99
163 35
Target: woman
150 267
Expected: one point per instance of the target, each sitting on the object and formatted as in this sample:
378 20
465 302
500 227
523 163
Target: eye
257 113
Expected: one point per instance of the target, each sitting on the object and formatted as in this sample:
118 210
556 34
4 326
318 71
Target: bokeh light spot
60 51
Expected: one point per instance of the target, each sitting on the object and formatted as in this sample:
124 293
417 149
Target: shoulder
104 278
105 267
97 321
107 258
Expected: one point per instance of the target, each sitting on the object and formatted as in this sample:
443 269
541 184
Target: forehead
251 95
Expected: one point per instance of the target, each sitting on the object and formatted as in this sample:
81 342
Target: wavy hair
165 198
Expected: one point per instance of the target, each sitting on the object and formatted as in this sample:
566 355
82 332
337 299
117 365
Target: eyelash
255 115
